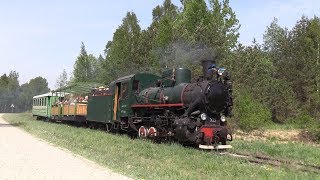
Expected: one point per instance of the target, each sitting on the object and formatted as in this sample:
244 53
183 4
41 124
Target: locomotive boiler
192 113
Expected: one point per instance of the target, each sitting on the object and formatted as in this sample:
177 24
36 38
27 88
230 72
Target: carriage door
121 105
48 104
117 92
124 100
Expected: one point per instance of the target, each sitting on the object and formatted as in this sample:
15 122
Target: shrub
282 101
302 121
310 125
315 132
250 114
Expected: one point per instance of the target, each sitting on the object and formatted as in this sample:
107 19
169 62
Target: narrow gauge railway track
252 158
259 159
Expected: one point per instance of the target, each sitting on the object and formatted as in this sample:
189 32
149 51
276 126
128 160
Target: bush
310 125
315 132
302 121
250 114
283 103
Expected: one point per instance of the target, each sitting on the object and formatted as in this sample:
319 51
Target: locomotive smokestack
207 74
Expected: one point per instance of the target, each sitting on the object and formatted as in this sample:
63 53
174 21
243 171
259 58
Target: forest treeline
277 80
18 98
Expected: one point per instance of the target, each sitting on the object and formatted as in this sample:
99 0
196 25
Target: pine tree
62 80
85 67
122 53
214 27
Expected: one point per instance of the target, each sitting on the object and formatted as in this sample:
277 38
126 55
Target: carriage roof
49 94
80 88
44 95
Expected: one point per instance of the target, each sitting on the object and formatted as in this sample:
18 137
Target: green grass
145 160
298 152
287 126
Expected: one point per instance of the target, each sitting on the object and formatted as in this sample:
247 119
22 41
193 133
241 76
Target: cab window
124 91
135 85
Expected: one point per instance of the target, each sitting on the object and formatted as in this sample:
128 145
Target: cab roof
134 75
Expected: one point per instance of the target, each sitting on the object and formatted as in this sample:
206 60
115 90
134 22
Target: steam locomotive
163 108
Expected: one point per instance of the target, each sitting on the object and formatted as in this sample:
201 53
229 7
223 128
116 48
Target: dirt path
23 156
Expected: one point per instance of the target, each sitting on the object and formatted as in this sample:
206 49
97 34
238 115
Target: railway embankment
140 159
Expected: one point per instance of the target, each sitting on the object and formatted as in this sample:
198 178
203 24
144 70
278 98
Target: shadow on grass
11 125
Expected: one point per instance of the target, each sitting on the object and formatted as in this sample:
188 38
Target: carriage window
124 90
135 85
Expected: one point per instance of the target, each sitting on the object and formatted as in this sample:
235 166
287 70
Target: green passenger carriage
41 105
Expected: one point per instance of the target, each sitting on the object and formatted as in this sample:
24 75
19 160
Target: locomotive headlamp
203 116
221 71
223 119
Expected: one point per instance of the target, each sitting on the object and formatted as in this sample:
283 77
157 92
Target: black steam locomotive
192 113
166 107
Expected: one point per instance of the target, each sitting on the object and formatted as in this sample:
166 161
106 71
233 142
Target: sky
41 38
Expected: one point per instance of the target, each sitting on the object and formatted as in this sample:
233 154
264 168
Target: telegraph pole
317 69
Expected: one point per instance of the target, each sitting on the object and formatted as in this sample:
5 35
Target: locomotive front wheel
152 132
143 132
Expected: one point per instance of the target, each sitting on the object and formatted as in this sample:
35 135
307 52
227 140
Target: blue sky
40 38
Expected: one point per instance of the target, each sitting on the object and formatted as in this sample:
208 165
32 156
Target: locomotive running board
215 147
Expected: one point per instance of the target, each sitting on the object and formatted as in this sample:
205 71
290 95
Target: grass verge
145 160
292 151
